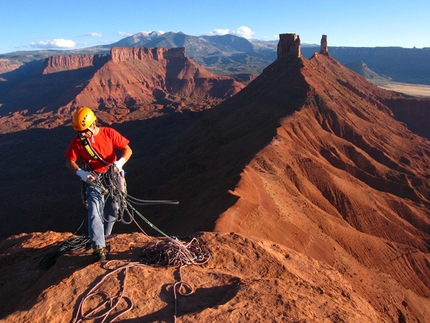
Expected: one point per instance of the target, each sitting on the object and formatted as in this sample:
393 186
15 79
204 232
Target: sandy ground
416 90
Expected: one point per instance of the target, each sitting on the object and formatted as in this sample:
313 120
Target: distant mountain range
233 55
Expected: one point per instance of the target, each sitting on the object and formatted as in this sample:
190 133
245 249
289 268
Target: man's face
88 133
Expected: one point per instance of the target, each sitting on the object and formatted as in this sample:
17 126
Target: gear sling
94 155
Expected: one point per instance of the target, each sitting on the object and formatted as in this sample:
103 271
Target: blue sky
71 24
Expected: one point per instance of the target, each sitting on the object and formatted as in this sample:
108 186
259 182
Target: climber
96 147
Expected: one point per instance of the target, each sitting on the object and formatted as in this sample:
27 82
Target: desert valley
308 185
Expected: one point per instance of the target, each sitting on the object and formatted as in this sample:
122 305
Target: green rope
146 220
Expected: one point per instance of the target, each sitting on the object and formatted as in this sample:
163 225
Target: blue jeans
102 211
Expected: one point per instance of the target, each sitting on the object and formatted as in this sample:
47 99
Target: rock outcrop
289 46
7 65
324 47
244 280
121 54
62 63
136 77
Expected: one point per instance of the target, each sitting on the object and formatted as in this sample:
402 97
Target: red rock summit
311 196
310 155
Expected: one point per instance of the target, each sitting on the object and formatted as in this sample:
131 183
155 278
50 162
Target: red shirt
104 143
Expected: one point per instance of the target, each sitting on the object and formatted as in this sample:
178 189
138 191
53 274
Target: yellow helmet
83 119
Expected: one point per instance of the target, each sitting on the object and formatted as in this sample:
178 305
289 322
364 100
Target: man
95 147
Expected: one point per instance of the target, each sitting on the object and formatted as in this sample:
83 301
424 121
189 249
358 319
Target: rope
173 252
108 302
117 187
145 219
68 246
114 184
164 252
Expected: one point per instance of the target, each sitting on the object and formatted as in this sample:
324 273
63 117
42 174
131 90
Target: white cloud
55 43
124 34
220 32
242 31
92 34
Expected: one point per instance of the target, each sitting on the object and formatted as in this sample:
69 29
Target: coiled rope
161 252
68 246
173 252
165 252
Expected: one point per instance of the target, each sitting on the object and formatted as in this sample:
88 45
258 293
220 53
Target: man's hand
85 176
118 164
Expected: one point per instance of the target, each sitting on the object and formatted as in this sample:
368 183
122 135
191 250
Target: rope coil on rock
164 252
109 302
68 246
173 252
167 251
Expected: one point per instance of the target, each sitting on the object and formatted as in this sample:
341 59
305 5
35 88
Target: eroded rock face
117 54
120 54
289 46
414 112
72 62
7 65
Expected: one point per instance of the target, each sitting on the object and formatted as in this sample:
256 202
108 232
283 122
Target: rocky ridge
55 64
324 192
142 81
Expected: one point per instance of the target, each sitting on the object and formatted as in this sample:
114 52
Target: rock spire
289 46
324 47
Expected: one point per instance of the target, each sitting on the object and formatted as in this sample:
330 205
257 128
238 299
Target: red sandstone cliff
7 65
55 64
325 193
136 82
308 155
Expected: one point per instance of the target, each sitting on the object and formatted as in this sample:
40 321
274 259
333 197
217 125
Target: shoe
99 254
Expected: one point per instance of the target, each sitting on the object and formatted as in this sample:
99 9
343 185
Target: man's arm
126 153
72 165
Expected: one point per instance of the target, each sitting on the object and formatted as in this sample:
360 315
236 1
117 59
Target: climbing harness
113 185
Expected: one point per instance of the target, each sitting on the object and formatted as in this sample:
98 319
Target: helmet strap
92 128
